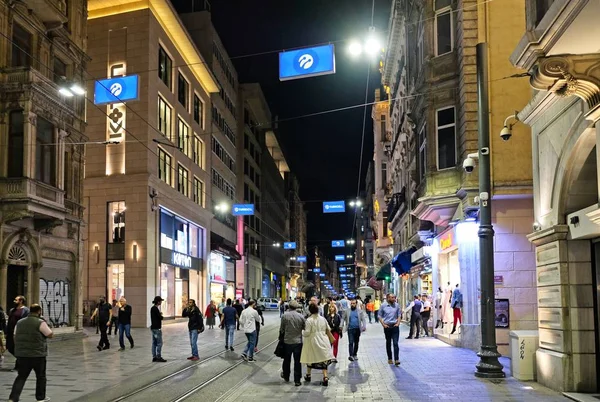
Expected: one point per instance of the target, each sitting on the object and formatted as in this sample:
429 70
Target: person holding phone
124 323
195 326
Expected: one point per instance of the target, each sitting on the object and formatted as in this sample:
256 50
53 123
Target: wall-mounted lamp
135 254
97 253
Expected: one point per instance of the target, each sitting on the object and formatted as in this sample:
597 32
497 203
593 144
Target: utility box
523 345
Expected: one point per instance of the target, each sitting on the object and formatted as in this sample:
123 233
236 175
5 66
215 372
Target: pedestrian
376 307
230 316
2 331
425 313
370 309
17 313
290 330
220 308
456 303
355 322
195 326
414 309
316 349
103 315
281 308
31 349
390 316
124 323
238 308
210 313
114 321
258 325
248 321
156 318
334 321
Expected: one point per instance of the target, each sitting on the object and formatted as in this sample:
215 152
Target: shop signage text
243 209
447 241
181 260
330 207
498 279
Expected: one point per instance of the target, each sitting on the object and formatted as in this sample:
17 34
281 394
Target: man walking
390 316
195 326
230 316
355 322
124 323
292 324
103 314
414 309
17 313
238 308
220 307
156 318
31 349
248 322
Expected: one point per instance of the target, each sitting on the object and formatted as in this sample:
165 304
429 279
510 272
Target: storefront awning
385 272
402 262
225 249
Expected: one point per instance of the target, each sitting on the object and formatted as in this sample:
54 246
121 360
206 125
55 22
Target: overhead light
372 45
355 48
222 207
66 92
77 89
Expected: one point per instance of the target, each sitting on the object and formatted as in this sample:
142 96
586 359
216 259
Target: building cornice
437 209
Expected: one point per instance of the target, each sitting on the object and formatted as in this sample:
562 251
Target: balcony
50 12
28 197
397 204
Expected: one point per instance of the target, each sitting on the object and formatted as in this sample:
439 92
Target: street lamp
222 207
371 46
356 203
69 89
277 244
351 241
349 256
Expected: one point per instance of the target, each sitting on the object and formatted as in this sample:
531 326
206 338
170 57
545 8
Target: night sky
324 150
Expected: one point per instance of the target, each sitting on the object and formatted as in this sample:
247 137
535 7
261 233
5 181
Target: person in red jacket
211 313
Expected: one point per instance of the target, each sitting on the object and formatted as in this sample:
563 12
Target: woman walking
210 313
316 351
334 321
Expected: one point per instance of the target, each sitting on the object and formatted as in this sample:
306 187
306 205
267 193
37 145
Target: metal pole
488 366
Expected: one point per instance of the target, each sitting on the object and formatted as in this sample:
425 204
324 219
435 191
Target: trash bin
523 345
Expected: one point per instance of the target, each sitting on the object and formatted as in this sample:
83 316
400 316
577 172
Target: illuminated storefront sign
447 240
307 62
181 260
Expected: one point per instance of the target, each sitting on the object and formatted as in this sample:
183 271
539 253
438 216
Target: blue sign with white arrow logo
116 90
330 207
289 245
301 258
307 62
337 243
243 209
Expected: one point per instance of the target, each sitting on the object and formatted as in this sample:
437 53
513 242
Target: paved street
430 370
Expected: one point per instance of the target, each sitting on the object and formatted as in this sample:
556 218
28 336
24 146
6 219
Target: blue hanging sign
307 62
289 245
301 258
339 258
337 243
117 89
243 209
331 207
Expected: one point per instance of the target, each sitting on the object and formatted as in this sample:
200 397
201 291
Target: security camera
469 165
505 134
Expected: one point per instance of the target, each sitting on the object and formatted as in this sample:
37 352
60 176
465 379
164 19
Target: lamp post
488 366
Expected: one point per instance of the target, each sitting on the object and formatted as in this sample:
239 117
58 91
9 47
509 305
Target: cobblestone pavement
76 368
430 370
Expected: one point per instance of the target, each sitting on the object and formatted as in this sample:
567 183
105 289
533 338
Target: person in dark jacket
124 323
17 313
195 326
103 315
238 308
335 322
156 318
258 324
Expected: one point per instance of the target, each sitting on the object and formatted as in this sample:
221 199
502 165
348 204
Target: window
446 137
383 174
422 152
225 157
246 166
165 67
183 89
383 128
443 27
541 8
116 222
60 71
164 119
183 132
45 152
164 166
222 184
183 185
21 46
198 152
220 122
199 192
198 111
15 144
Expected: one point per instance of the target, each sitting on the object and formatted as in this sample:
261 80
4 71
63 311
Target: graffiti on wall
54 299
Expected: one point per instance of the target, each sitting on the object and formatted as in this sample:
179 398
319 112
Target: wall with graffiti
55 299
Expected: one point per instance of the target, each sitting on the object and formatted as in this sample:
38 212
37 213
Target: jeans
103 337
424 321
292 350
249 350
194 342
156 343
391 335
26 364
125 329
415 323
229 334
376 314
353 339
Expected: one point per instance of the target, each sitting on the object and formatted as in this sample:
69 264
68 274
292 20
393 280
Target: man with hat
292 324
156 318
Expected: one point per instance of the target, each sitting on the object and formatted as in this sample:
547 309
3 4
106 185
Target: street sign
317 270
116 90
243 209
306 62
339 258
301 258
330 207
337 243
289 245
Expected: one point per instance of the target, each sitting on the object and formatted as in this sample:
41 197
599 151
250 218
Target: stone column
34 284
3 283
566 357
60 171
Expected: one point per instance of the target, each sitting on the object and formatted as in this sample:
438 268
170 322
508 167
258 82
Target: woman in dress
334 321
316 349
210 313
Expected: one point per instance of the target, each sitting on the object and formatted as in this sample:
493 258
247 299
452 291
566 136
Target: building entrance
16 283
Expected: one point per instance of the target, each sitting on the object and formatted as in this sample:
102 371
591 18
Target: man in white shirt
425 313
248 321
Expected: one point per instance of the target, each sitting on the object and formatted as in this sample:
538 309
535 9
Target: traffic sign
289 245
243 209
330 207
306 62
337 243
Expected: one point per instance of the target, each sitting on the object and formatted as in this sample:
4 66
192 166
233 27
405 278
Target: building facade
559 50
298 234
147 194
429 73
42 156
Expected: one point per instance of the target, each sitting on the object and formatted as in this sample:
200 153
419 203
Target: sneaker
46 399
121 349
397 362
355 358
251 360
160 360
297 384
334 361
195 358
245 356
154 359
131 346
390 361
226 347
99 348
190 358
284 379
351 358
231 348
106 348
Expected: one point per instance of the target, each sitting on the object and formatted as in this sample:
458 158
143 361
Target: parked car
267 303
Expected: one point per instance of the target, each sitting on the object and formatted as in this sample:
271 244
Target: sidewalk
430 370
76 368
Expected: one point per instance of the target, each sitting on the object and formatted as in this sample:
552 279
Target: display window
116 280
180 235
216 292
174 289
116 222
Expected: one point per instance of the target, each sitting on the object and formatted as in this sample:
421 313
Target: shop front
447 275
222 269
181 263
217 276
